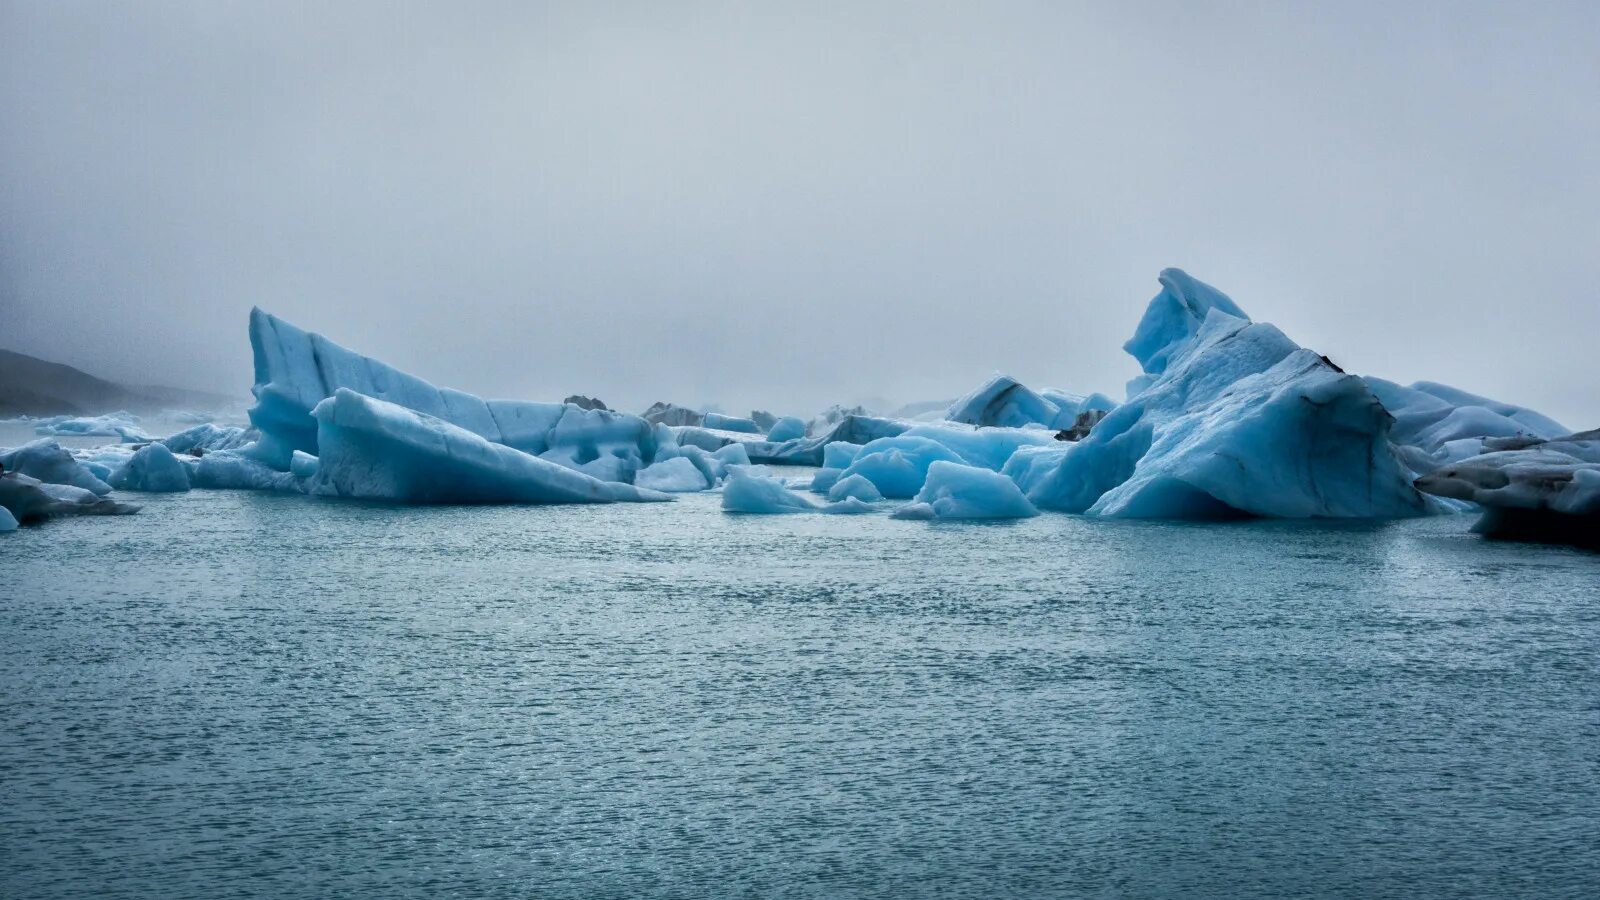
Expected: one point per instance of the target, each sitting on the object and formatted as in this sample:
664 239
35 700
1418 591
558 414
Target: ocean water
236 694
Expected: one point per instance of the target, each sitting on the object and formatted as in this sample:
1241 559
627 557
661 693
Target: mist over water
787 209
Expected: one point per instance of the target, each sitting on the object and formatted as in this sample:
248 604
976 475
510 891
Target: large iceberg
1234 419
376 449
1530 488
296 370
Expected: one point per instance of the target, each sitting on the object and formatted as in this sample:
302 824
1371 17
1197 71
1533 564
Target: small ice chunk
732 455
839 454
673 476
787 428
898 465
824 480
956 491
746 493
850 506
916 511
856 486
152 469
8 522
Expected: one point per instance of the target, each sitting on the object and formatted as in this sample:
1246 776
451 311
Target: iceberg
296 370
897 466
1437 425
855 487
661 413
122 425
787 428
985 447
207 438
850 506
745 493
236 470
676 475
8 522
956 491
1530 488
1235 419
28 499
153 469
1003 401
1171 321
720 422
49 462
375 449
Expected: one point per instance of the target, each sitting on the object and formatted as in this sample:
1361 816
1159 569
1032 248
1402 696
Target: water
236 694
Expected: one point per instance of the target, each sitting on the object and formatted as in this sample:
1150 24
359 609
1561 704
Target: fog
736 204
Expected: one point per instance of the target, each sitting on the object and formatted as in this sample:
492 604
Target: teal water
236 694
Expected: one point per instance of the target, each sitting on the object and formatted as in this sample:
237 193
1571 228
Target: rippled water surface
236 694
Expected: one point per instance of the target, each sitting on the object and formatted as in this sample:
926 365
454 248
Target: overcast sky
735 203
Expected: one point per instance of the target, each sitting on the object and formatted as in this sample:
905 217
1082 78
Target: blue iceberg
375 449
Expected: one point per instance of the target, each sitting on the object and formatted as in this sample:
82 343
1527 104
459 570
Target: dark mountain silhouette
37 387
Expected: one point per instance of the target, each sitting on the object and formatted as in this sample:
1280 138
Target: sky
785 206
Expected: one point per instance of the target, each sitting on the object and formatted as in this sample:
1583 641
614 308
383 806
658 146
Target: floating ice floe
856 487
956 491
375 449
152 468
49 462
1530 488
747 493
28 499
122 425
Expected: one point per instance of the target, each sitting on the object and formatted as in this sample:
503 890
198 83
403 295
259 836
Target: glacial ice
1530 488
746 493
787 428
1005 402
856 487
1235 419
375 449
839 454
49 462
152 469
1171 321
1437 425
295 370
850 506
676 475
720 422
8 522
123 425
30 500
956 491
206 438
986 447
897 466
236 470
